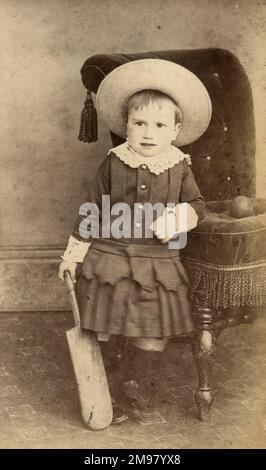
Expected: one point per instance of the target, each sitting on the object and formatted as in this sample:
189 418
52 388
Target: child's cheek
129 130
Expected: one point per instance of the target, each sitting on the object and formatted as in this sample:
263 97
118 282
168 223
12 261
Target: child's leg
112 363
126 368
128 365
144 357
137 368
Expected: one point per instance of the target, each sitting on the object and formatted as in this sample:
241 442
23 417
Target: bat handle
73 297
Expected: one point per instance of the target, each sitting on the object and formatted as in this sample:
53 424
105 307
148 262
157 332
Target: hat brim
180 84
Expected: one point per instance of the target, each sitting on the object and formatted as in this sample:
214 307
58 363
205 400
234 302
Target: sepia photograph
133 226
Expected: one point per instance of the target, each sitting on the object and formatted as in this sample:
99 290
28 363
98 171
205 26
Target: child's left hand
181 218
164 227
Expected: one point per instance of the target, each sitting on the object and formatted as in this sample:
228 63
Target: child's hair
144 97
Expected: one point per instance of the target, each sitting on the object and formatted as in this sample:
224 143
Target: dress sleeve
190 192
99 186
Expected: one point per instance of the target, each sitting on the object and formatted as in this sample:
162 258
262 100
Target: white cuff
76 250
192 216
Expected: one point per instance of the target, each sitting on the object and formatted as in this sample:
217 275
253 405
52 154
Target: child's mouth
148 145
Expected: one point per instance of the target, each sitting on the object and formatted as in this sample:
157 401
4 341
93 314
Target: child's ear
177 129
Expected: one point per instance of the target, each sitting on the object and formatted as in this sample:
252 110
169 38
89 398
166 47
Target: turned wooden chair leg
203 350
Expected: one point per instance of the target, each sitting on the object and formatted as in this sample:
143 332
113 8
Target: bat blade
95 400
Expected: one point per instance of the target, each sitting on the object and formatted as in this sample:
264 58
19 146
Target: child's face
152 128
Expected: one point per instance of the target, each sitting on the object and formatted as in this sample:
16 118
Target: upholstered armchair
225 256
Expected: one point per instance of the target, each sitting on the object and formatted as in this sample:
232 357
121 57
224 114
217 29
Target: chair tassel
88 122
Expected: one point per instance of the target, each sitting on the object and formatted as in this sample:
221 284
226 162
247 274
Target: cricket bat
86 357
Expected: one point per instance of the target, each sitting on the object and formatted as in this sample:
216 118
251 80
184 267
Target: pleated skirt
134 290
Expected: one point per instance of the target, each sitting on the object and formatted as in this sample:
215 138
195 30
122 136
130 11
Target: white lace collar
157 164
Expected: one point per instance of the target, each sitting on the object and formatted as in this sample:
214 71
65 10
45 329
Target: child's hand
164 227
181 218
70 266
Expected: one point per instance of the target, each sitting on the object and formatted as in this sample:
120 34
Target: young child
130 284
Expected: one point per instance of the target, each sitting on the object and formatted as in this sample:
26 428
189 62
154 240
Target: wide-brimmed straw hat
180 84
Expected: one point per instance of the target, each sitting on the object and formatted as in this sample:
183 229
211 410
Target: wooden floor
39 402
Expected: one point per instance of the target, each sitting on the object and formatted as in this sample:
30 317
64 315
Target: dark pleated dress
136 287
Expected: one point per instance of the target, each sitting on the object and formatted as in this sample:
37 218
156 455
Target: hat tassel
88 122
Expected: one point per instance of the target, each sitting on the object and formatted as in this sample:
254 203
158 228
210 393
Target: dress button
208 157
144 166
143 186
138 225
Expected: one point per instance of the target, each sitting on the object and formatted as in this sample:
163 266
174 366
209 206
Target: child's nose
148 134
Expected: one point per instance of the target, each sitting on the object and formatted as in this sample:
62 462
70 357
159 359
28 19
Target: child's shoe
119 416
136 395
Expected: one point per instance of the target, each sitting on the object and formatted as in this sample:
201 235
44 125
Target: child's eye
160 124
139 123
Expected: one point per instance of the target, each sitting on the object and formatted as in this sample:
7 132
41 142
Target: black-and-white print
133 225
